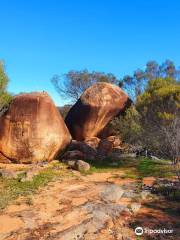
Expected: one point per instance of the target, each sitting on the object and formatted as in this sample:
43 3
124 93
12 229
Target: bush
5 97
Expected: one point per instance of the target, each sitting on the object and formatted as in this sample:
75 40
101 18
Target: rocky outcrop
105 147
32 129
99 104
88 151
93 148
115 140
74 154
92 142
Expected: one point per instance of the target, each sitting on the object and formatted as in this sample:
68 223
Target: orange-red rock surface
32 129
98 105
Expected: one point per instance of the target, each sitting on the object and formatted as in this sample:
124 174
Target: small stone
10 173
71 163
149 181
112 193
155 158
130 194
81 165
135 207
29 175
144 194
45 163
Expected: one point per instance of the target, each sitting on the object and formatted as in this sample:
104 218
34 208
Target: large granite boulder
96 107
32 129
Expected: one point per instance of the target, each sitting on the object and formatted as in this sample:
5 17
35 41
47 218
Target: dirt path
98 206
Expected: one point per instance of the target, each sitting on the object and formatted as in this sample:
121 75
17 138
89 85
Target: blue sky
40 38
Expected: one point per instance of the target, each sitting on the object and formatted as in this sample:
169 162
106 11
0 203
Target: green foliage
160 116
74 83
160 89
11 189
148 167
134 168
127 126
154 120
159 103
5 98
64 110
3 78
136 85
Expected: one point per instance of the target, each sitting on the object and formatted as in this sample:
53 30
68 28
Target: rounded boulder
96 107
32 129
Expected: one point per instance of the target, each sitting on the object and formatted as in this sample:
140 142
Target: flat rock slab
81 207
111 193
9 224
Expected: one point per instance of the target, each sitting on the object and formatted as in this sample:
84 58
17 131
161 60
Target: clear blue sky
40 38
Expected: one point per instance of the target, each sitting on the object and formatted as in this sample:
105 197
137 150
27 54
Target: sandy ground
80 208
